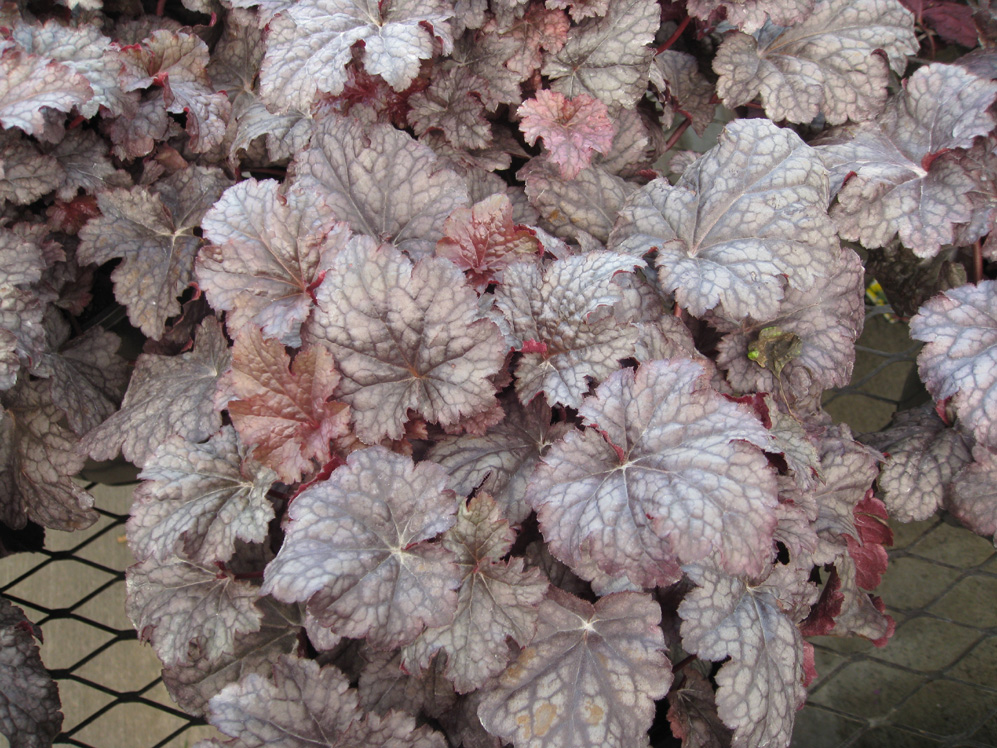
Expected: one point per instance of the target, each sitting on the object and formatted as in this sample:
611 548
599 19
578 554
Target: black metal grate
99 621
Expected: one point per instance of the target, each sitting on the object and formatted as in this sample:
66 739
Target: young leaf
571 129
836 63
166 395
381 181
745 218
29 698
484 239
309 43
760 687
174 601
356 549
496 600
960 358
268 251
303 706
198 499
285 413
500 462
607 57
588 679
892 175
923 455
405 337
668 473
153 231
566 309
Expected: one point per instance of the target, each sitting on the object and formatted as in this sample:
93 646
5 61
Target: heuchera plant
472 410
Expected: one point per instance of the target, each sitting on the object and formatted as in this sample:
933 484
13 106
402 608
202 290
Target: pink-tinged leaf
923 455
895 175
500 462
760 688
668 473
167 395
178 62
971 497
153 232
484 239
960 358
382 182
846 610
192 684
283 409
309 46
357 549
27 173
836 63
38 459
174 601
580 208
588 679
451 104
723 233
751 15
609 57
571 129
384 686
682 89
581 9
405 337
872 525
29 698
268 251
567 306
198 499
86 52
539 30
826 317
497 600
30 84
692 713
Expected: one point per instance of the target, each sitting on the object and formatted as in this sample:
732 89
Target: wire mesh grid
80 610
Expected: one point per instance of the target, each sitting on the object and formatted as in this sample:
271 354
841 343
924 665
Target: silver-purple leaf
198 499
827 317
971 496
153 232
609 57
175 601
923 455
29 698
382 182
836 62
751 15
566 308
405 337
167 395
746 218
38 459
30 85
893 176
668 473
267 250
588 679
500 461
496 600
761 686
960 358
309 45
357 549
26 174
